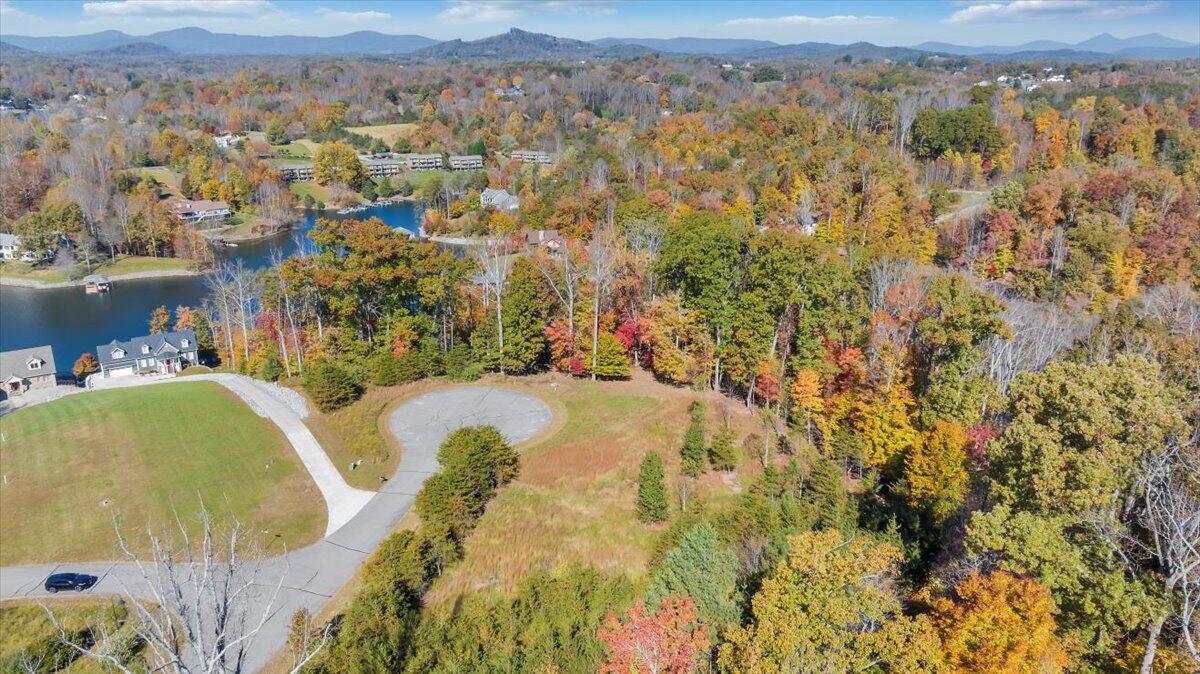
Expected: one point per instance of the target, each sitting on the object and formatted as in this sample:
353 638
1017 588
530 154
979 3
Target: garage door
121 371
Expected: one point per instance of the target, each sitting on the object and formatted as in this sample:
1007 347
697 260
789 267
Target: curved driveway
311 575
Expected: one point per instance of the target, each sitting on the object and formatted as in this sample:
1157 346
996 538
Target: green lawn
145 454
165 176
124 264
128 264
293 150
26 271
317 190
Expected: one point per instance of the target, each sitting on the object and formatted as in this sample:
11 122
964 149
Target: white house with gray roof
500 200
163 353
26 369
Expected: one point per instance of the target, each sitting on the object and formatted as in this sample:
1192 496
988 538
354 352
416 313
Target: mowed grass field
146 455
574 500
388 133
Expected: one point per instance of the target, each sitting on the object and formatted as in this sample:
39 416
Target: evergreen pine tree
524 317
827 499
722 453
611 360
652 489
692 451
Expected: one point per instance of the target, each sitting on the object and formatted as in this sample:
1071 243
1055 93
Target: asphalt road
311 575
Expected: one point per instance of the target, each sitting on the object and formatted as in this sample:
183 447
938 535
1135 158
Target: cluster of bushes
376 633
347 366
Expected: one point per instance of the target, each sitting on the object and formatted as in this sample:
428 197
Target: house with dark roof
162 353
26 369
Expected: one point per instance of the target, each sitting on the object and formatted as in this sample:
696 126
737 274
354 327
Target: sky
972 22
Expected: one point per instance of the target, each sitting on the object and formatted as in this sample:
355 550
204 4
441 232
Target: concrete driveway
311 575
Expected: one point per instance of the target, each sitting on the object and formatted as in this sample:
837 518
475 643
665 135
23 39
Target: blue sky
887 23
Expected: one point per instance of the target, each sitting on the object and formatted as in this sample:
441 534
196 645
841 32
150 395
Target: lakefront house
26 369
162 353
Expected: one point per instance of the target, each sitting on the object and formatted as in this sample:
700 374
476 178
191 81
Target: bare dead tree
646 237
564 272
1175 305
602 264
1170 514
883 275
1040 331
495 261
218 280
197 606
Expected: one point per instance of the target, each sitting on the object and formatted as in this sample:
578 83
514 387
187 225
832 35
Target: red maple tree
665 642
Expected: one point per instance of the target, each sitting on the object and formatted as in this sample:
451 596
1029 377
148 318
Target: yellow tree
936 470
1000 624
885 428
338 163
808 615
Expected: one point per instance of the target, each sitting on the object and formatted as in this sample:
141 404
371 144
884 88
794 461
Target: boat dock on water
95 284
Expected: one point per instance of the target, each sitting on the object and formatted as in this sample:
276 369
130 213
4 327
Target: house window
184 342
118 353
145 348
35 365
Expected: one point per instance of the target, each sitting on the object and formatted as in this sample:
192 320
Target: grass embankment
295 150
165 177
29 638
319 192
124 264
359 431
146 454
574 498
388 133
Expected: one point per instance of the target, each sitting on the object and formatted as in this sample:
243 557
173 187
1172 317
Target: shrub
330 386
722 454
411 366
383 370
652 489
269 369
475 462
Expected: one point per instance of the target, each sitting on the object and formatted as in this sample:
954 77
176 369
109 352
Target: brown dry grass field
388 133
574 498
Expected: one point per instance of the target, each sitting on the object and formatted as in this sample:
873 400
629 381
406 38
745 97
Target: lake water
74 322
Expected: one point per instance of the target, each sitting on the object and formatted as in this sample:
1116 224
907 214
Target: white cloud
1018 11
8 11
801 20
179 8
338 15
487 11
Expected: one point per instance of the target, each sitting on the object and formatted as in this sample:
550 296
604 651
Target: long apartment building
466 162
424 162
531 156
376 167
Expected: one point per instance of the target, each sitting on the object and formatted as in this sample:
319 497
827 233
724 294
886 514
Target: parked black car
69 581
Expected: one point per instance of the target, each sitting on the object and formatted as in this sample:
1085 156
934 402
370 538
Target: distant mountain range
522 45
689 45
1149 46
197 41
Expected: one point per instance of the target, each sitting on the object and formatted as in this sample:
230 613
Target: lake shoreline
51 285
